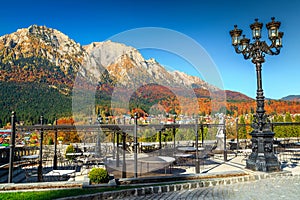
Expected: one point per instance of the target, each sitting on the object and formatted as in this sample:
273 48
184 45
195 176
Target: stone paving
286 187
279 187
255 185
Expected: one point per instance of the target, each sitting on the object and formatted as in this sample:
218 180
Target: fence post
114 144
40 167
55 147
124 158
12 147
135 145
118 150
237 133
196 145
225 148
202 134
160 142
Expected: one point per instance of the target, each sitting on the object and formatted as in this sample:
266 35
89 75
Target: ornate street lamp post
262 157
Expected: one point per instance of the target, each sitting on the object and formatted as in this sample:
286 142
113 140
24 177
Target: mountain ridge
291 98
47 57
66 57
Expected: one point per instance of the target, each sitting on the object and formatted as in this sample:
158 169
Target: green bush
98 175
50 141
69 149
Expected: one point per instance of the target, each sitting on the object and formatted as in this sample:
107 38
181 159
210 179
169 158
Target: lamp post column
262 157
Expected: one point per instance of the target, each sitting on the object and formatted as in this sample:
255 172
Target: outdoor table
163 160
89 153
74 154
93 161
181 157
30 157
293 149
60 173
147 146
190 149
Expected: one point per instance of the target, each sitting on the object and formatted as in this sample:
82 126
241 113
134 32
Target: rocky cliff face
43 42
38 53
42 54
126 65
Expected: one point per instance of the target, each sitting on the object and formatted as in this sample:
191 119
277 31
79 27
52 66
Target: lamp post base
262 157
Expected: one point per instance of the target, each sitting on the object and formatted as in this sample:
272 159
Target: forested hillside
31 100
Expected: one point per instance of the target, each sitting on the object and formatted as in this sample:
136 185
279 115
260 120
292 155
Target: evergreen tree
242 130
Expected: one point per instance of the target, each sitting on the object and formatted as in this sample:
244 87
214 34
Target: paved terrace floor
281 187
273 188
212 165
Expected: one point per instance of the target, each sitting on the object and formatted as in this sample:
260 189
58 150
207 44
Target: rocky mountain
45 61
41 54
41 42
126 65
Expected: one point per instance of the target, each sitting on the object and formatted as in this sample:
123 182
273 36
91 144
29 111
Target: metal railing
120 130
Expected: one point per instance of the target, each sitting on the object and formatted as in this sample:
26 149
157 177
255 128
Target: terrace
168 159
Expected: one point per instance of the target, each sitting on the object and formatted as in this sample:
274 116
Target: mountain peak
40 41
109 52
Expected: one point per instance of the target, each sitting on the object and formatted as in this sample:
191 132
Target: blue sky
208 22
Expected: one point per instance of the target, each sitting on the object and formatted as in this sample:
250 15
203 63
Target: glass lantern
235 35
256 29
244 43
273 29
278 42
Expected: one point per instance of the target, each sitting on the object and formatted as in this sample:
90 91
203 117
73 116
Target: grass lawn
49 194
59 193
